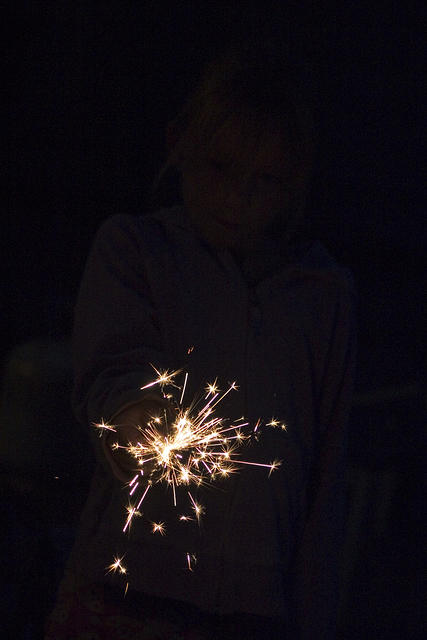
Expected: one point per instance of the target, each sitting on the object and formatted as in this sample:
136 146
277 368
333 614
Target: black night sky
92 87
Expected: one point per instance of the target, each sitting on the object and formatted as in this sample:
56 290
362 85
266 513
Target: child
227 273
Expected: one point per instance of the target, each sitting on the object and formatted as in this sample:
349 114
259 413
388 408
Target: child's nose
243 186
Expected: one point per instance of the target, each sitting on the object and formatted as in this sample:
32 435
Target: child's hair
254 85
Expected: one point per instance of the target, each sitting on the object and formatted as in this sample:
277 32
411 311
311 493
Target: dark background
93 85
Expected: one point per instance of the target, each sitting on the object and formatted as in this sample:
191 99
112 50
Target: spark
198 509
183 388
116 566
132 512
191 559
164 378
276 423
147 488
274 465
103 426
134 488
211 388
158 527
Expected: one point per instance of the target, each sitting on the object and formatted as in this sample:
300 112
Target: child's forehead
247 144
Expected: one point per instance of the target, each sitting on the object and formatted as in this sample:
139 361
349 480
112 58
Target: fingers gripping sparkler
194 448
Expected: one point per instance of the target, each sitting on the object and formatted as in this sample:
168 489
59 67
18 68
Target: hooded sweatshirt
155 293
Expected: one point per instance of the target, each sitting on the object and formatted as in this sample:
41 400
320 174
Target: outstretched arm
116 336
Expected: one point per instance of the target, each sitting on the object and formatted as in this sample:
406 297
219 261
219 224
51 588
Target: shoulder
323 290
313 263
135 229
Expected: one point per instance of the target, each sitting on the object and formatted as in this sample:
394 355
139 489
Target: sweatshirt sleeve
317 567
116 330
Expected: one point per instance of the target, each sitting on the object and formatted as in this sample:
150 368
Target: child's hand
126 434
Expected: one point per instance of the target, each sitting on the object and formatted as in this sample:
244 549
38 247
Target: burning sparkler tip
192 449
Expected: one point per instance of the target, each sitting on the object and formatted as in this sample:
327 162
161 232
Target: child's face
232 195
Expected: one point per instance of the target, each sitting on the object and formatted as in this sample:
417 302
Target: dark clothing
267 546
100 612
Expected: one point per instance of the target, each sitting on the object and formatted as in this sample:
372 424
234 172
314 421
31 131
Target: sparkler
193 449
